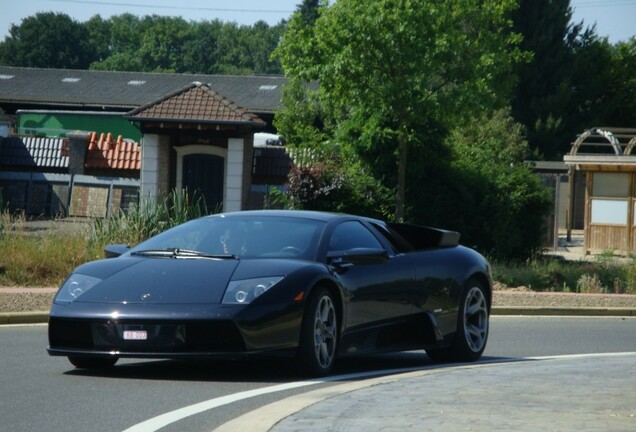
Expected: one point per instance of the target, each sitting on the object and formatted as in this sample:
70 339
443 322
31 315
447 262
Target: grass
37 259
29 258
605 274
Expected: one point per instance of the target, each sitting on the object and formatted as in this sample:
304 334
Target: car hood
158 280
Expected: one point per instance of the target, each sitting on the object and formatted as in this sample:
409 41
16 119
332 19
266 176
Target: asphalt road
42 393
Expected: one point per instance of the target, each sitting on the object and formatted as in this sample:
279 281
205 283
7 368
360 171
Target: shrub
506 204
144 221
605 274
590 284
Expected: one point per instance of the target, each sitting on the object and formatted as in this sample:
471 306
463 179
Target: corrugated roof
129 90
105 153
43 152
195 102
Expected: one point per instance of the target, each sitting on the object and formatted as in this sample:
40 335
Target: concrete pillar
78 144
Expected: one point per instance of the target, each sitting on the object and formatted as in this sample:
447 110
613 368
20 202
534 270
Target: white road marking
581 356
163 420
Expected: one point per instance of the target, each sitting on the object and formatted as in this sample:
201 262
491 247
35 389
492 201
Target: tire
318 334
471 336
93 362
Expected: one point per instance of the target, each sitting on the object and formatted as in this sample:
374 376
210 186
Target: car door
378 292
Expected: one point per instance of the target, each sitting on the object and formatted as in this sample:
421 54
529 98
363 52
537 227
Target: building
196 130
607 158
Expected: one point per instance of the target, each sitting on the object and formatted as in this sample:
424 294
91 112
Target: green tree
309 10
99 34
124 35
162 44
623 84
201 52
47 40
568 86
503 205
247 49
389 69
260 42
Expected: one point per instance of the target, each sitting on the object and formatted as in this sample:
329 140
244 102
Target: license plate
135 335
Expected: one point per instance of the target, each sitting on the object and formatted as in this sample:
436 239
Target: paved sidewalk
572 393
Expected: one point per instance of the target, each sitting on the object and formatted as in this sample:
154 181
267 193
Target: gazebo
608 159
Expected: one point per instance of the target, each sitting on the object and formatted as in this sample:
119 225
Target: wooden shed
608 158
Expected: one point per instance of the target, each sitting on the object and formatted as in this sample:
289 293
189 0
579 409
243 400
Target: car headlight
245 291
76 285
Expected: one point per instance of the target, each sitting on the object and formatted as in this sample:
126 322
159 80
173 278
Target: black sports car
314 285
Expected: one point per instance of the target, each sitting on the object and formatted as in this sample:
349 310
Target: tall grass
147 220
38 259
605 274
29 258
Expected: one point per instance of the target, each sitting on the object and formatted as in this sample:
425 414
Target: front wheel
472 327
318 334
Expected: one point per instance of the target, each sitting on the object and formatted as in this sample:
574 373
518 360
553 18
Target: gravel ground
565 300
39 299
25 301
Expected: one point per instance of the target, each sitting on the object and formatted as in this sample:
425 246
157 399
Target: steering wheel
291 250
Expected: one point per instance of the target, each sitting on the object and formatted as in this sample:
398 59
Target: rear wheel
319 334
472 327
93 362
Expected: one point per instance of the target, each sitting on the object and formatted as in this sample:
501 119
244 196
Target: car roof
301 214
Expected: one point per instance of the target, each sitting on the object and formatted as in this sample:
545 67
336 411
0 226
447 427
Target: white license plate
135 335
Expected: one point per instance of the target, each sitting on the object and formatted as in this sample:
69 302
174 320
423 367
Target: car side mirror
357 256
115 250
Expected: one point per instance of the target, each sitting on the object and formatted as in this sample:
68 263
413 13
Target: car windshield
240 236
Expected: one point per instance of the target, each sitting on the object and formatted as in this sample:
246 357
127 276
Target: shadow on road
266 370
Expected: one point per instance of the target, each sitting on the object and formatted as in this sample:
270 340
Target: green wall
58 123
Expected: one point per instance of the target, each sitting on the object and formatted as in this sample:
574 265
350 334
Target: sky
615 19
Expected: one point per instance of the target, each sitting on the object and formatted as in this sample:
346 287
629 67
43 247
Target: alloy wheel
475 319
325 332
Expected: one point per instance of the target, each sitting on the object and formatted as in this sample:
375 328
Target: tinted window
249 236
352 235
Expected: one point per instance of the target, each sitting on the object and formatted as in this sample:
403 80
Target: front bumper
172 331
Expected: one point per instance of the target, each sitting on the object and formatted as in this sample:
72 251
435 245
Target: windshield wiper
187 253
177 253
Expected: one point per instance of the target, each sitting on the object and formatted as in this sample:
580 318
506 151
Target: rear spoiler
421 237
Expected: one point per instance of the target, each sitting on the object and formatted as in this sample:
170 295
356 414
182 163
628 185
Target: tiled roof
195 102
128 90
104 152
43 152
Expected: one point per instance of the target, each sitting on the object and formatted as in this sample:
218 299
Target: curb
39 317
561 311
24 317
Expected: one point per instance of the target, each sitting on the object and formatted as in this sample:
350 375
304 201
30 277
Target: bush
328 184
144 221
603 275
507 204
